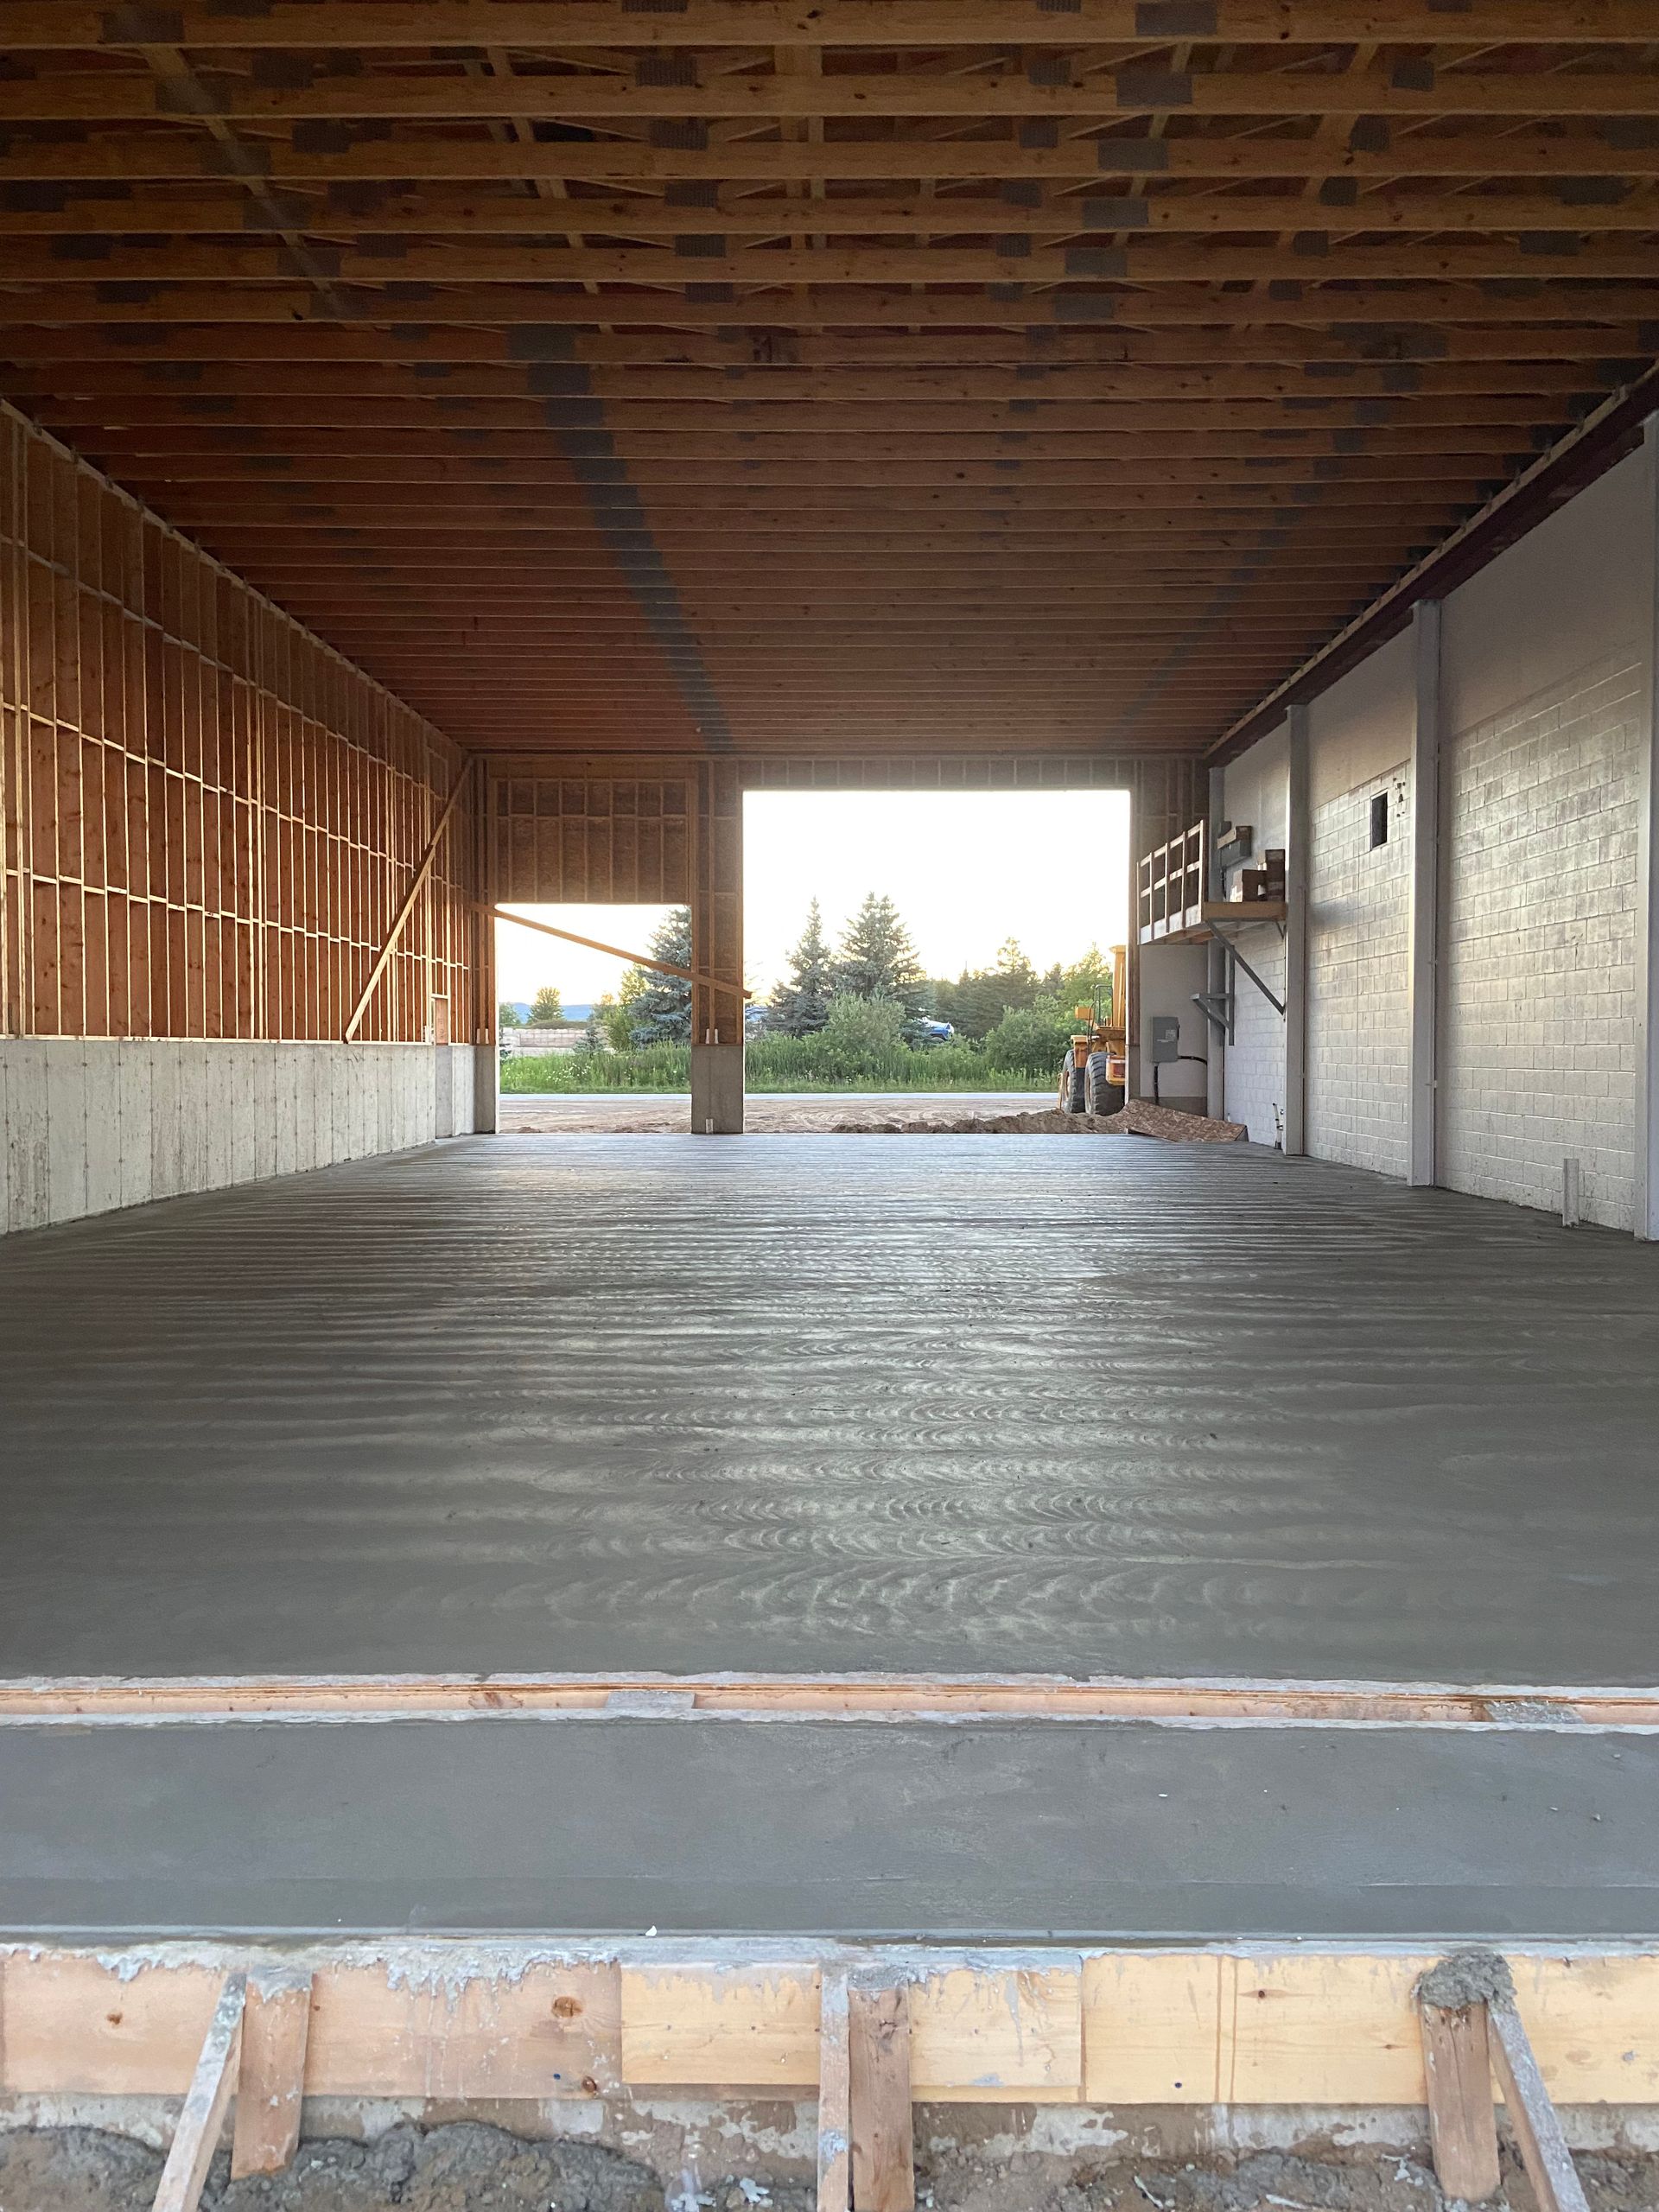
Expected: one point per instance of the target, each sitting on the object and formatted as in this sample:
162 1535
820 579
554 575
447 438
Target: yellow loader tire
1072 1083
1101 1094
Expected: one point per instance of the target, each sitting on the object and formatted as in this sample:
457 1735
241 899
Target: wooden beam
834 2095
384 958
195 2138
884 2171
367 24
1414 89
1462 2126
427 212
640 959
1565 155
271 2083
1319 258
1544 2152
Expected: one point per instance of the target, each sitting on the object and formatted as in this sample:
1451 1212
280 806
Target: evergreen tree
876 959
801 1006
547 1008
506 1016
659 1004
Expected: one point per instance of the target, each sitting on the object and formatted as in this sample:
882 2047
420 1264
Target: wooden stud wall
210 817
593 834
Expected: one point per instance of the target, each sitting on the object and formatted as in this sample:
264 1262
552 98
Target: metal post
1647 933
1298 838
1424 959
1215 977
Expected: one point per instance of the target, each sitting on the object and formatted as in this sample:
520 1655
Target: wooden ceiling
1025 373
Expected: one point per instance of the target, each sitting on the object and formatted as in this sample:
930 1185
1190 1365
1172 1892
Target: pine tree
661 1005
876 959
800 1007
547 1008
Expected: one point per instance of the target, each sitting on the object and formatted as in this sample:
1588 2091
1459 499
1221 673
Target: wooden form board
1101 2027
210 817
113 1700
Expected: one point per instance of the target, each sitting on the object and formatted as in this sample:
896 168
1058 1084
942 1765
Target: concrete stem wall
89 1124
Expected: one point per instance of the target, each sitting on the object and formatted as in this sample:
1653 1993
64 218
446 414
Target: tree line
868 988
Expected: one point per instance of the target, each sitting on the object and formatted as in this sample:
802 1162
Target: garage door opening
921 954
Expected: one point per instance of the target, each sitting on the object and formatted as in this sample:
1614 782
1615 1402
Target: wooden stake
196 2137
1543 2147
834 2096
271 2079
1462 2123
408 906
884 2170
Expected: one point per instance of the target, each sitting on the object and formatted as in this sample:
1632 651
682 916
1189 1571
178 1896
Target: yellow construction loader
1095 1071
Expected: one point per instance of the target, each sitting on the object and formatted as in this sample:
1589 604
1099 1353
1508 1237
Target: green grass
776 1065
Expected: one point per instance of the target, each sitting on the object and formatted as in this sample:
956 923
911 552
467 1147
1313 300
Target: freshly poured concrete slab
831 1404
975 1832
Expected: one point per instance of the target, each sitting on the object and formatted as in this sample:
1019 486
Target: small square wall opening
1379 820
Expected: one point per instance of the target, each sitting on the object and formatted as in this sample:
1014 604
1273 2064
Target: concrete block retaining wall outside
90 1124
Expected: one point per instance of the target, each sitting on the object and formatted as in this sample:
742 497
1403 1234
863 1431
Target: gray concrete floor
842 1403
1012 1830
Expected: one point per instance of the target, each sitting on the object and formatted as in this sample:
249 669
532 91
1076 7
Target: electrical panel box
1164 1043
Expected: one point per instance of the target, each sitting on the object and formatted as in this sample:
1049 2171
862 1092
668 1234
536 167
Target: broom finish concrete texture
834 1404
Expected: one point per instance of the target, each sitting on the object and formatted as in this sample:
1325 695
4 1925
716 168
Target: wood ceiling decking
1016 373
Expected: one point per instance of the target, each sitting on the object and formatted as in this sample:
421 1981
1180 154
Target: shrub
1029 1040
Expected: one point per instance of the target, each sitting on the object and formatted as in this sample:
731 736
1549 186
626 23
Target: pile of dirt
1140 1118
468 2167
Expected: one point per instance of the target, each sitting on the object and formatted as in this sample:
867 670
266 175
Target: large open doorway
916 957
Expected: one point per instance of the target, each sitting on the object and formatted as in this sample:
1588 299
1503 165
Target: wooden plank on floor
884 2162
270 2081
202 2117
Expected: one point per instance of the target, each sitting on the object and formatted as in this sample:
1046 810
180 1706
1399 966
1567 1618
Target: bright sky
966 869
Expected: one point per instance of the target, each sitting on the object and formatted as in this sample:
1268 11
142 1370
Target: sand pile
1140 1118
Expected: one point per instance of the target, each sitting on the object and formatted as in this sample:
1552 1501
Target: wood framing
674 472
210 817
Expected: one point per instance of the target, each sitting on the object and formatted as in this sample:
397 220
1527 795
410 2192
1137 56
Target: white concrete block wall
1258 793
1540 908
88 1125
1255 1057
1359 979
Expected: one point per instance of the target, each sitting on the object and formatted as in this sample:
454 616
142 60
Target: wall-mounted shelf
1171 907
1213 918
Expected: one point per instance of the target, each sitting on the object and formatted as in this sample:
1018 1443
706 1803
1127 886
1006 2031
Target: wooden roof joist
1574 154
918 367
460 276
1085 214
1082 481
362 24
1417 88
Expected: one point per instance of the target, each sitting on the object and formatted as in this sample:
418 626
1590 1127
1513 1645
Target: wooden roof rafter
683 312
